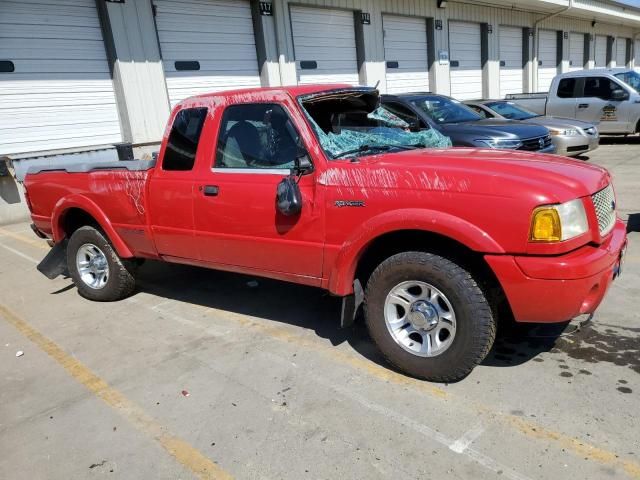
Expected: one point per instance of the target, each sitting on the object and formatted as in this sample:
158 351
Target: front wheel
96 269
428 316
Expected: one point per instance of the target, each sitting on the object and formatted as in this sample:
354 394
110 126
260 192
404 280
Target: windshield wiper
364 148
382 148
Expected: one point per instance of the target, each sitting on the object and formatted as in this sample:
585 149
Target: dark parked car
465 127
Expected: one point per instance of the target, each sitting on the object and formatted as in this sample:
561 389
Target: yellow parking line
527 428
187 455
38 243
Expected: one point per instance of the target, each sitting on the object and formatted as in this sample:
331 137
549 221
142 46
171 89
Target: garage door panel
405 42
217 34
61 93
600 53
576 51
464 46
548 58
621 51
11 31
327 37
511 71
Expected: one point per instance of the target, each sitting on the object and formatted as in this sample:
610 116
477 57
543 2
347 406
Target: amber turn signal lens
545 225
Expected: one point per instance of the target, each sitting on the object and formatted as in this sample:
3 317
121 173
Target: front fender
83 203
343 271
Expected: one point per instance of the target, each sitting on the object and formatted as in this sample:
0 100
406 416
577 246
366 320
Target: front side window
511 111
631 78
566 88
182 144
444 110
256 136
600 87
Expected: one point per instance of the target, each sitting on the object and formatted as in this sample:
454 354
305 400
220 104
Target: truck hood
491 128
542 178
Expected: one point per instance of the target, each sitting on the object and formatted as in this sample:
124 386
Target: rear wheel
96 269
428 316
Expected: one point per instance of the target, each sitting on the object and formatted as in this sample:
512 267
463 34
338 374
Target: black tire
476 326
120 282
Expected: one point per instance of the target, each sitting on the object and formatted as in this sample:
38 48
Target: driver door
236 219
596 105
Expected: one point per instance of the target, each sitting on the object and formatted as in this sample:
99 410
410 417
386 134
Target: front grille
605 204
535 144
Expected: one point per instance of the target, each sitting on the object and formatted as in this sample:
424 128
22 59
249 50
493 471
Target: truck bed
85 167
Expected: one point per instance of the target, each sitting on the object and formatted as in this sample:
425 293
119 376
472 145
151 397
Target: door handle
583 105
210 190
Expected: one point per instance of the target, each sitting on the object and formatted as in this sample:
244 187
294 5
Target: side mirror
288 197
302 163
619 94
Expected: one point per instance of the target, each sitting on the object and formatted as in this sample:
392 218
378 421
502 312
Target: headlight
568 132
555 223
499 143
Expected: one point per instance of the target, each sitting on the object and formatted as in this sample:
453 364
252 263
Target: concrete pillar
264 30
527 59
563 51
440 70
131 40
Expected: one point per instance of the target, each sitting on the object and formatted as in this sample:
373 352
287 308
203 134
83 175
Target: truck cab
608 98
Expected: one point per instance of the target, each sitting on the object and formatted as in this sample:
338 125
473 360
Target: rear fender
342 273
83 203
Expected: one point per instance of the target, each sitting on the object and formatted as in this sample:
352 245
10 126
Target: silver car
571 137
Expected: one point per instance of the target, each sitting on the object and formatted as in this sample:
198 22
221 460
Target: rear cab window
182 144
567 88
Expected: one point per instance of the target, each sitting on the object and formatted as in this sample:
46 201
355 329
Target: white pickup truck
608 98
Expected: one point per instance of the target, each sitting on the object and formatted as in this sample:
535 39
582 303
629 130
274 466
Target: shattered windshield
631 78
511 111
352 123
445 110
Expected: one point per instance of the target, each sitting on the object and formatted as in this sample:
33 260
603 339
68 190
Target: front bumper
549 289
572 145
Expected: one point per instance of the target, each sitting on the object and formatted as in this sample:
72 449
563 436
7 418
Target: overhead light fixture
442 3
593 23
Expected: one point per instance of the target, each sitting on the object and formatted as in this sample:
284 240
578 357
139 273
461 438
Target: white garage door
60 93
576 51
621 52
324 42
465 60
405 53
207 46
547 59
601 51
511 73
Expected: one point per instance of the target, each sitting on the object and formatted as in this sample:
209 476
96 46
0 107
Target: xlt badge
349 203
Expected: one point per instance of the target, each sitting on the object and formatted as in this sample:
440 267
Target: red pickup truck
320 186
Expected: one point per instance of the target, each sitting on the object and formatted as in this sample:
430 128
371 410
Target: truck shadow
620 140
306 307
312 309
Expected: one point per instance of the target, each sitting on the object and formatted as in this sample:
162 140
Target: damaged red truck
320 186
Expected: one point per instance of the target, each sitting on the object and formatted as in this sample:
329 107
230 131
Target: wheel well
422 241
74 218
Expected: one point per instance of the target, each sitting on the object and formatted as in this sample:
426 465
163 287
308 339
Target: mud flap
351 304
55 262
